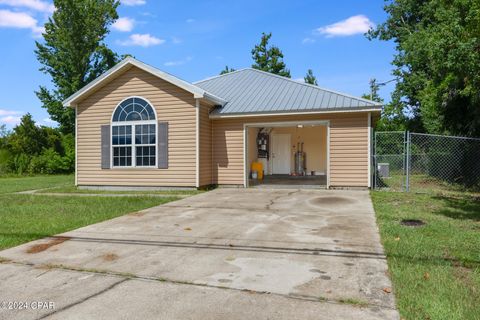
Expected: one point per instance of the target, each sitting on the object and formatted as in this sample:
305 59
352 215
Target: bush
49 162
6 159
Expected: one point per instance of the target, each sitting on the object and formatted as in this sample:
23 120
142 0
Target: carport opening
294 154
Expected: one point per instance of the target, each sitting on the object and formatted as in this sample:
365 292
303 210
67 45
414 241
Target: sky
196 39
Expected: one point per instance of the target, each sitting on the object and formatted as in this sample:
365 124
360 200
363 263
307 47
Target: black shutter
105 131
162 137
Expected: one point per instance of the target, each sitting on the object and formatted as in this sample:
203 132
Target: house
137 126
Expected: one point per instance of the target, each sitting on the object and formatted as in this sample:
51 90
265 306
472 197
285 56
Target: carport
287 153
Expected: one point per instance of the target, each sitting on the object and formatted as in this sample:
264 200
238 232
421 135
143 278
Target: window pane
145 156
133 109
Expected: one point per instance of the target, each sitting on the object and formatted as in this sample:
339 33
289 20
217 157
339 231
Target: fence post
407 160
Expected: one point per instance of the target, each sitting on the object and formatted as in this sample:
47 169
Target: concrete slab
315 244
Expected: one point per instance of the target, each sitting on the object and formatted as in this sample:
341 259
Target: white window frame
134 145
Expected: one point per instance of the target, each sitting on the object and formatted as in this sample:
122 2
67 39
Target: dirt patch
412 223
333 200
110 257
44 246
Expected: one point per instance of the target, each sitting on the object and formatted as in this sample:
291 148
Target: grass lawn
25 218
435 269
15 184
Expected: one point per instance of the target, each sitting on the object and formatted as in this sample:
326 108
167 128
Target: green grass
435 269
25 218
73 189
16 184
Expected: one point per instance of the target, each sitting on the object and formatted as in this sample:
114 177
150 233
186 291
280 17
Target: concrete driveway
228 253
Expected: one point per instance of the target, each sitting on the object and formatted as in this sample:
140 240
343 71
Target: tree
310 78
3 131
74 52
374 88
27 138
226 70
269 58
437 62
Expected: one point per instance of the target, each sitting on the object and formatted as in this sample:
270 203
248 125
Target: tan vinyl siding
348 147
171 103
205 174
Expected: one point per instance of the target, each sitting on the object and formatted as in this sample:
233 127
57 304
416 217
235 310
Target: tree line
269 58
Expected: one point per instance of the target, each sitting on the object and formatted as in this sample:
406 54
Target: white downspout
369 149
328 155
197 143
76 146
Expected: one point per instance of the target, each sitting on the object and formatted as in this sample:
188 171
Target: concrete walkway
229 253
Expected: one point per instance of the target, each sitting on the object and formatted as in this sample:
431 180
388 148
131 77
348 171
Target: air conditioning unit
383 170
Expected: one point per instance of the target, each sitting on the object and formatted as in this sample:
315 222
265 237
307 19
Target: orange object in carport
258 166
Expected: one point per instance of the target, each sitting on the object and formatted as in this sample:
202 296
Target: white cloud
177 62
12 120
176 40
4 112
10 117
19 20
308 40
143 40
37 5
354 25
49 122
123 24
133 2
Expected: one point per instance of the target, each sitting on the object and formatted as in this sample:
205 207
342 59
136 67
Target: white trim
277 124
282 124
287 113
127 63
197 143
328 155
369 149
76 146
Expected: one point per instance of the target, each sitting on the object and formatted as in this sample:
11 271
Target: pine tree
74 52
310 78
269 58
227 70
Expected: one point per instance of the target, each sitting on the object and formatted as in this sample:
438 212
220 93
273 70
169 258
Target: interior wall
314 140
252 146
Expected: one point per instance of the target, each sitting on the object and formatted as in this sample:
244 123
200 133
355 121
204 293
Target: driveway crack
85 299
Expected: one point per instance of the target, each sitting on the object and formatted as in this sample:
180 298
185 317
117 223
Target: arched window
134 134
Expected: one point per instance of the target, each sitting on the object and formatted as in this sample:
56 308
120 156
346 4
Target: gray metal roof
255 91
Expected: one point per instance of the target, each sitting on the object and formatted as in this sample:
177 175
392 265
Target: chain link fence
406 161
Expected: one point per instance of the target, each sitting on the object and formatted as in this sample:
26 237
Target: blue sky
196 39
